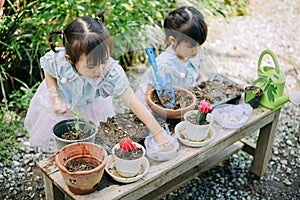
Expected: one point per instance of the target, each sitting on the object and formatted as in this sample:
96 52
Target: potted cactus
198 122
128 156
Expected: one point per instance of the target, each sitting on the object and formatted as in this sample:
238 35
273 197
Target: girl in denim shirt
81 76
186 31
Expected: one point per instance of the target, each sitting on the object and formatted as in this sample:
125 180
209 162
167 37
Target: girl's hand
59 105
164 140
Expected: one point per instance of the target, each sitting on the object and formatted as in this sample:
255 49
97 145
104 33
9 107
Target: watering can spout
279 101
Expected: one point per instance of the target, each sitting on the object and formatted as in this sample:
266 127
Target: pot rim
137 145
169 113
99 167
209 115
71 120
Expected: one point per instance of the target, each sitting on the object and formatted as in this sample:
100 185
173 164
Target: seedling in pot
74 131
77 114
253 95
268 86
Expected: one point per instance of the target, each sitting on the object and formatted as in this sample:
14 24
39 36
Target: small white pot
128 168
196 132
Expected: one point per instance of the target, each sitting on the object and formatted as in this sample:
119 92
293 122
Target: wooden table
164 177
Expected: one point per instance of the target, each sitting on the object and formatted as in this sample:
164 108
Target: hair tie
50 43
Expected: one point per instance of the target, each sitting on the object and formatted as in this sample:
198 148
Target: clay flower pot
86 131
84 154
196 132
170 113
128 165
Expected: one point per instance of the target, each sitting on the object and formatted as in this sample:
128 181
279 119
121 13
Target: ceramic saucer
110 168
180 131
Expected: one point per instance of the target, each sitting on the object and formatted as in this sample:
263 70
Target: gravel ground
234 46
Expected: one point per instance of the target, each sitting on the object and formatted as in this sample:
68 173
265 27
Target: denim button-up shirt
79 90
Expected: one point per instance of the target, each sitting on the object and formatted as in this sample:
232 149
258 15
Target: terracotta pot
128 168
82 182
196 132
169 113
69 124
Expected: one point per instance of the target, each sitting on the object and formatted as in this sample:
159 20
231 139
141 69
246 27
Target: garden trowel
163 86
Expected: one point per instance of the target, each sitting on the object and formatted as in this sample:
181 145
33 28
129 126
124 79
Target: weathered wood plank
48 165
264 146
48 187
161 173
194 172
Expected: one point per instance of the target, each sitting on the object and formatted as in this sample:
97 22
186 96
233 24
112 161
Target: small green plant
267 84
251 92
77 114
249 95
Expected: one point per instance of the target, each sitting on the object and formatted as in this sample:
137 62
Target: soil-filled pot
194 131
184 101
253 95
128 167
83 130
81 165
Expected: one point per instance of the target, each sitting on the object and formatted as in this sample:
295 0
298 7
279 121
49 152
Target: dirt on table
122 125
217 91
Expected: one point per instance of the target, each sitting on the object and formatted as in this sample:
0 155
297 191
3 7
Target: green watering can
272 81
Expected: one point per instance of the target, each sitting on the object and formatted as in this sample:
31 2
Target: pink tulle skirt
40 117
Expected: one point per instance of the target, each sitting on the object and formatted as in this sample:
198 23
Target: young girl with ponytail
186 30
81 76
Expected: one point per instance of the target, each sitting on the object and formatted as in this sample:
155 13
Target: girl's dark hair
186 24
85 35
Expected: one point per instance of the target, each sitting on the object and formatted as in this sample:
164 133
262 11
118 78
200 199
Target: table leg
51 191
264 146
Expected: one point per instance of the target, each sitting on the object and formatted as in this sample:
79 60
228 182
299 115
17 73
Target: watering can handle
267 51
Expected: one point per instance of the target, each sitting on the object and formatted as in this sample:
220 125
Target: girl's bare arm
139 109
58 104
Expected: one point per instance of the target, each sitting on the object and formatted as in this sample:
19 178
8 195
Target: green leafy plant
77 114
266 83
249 95
251 92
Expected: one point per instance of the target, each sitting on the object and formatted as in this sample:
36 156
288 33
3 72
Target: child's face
185 51
89 71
